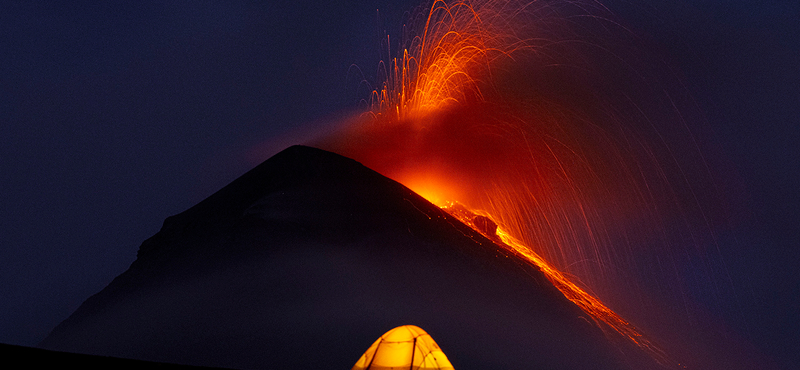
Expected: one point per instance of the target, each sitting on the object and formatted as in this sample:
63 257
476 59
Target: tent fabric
404 347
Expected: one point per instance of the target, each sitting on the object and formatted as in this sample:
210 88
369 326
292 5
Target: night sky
116 115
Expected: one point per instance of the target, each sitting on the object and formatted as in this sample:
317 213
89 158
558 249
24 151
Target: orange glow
404 347
430 187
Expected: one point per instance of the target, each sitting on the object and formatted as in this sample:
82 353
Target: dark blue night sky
116 115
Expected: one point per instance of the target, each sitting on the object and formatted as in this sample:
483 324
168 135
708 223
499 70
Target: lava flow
537 115
484 224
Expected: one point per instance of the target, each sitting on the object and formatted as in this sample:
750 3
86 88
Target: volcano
306 259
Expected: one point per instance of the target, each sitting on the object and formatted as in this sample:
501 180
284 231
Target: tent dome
404 347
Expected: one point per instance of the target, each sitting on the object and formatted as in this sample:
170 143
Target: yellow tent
404 347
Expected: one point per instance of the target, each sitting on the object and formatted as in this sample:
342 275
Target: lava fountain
544 119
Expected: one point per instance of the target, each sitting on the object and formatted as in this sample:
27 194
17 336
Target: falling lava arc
526 114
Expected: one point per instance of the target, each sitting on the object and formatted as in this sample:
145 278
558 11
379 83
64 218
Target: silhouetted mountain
308 258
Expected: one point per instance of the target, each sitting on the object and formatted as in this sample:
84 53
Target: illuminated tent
404 347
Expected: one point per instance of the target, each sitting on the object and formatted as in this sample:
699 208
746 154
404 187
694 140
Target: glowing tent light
404 347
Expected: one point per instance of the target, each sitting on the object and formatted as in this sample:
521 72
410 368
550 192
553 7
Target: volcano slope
305 260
